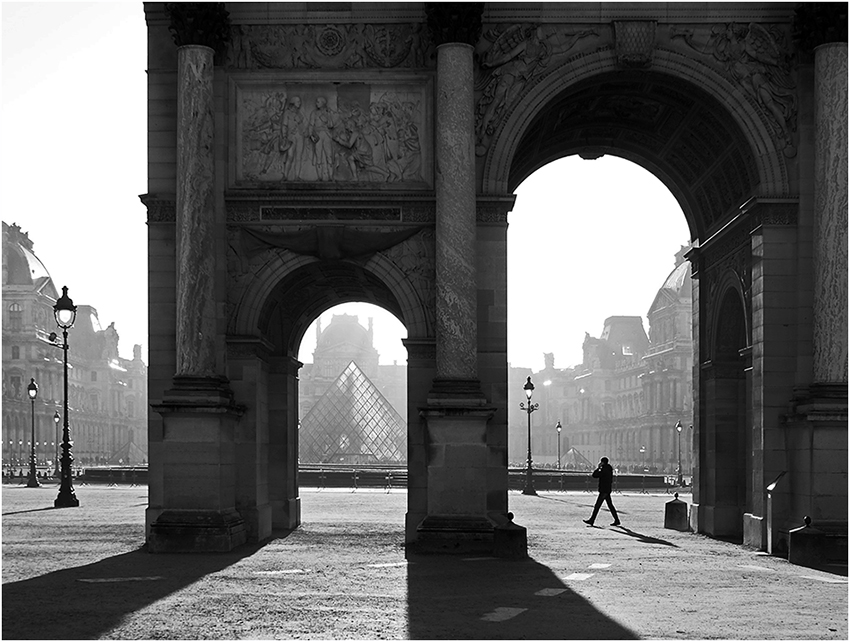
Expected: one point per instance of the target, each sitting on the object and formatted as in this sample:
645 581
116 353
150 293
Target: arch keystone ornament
302 159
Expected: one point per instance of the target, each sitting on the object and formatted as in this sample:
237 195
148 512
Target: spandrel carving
755 57
352 133
510 59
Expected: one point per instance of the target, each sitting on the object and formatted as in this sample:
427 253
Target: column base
196 531
454 534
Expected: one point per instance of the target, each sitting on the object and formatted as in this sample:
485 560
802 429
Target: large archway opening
691 143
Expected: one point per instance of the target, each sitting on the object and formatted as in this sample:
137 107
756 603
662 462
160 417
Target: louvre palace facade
628 393
107 396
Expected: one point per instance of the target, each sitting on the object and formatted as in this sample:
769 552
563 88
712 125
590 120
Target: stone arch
751 147
275 310
407 304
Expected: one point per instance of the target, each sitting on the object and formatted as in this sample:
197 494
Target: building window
131 408
15 317
16 352
93 376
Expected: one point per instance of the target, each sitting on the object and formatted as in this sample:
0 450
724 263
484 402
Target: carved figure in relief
514 55
752 57
293 131
357 150
322 124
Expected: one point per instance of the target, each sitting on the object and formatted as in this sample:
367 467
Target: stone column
457 336
459 479
196 314
830 309
197 460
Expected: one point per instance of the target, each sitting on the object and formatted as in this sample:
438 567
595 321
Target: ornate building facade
107 395
626 397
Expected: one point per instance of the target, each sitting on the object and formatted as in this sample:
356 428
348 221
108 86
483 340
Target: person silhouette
605 473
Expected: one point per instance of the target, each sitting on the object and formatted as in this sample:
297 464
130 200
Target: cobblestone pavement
82 573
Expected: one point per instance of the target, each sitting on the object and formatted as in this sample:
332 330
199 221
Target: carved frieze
336 133
159 210
329 46
757 58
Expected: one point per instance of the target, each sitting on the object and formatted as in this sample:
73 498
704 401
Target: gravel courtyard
83 573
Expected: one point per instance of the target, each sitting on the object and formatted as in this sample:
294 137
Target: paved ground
82 573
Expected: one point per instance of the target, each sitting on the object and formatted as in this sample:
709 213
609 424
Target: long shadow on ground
86 602
450 597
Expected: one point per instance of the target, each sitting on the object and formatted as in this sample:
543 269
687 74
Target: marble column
457 337
196 314
830 309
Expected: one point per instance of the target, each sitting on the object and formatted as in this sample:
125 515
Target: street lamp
679 432
643 469
32 391
529 408
56 420
66 313
558 428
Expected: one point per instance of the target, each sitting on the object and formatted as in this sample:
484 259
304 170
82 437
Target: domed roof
20 265
677 286
344 329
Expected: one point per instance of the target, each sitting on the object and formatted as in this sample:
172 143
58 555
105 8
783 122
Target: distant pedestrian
605 473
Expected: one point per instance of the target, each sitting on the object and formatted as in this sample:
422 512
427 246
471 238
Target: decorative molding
160 210
248 347
277 213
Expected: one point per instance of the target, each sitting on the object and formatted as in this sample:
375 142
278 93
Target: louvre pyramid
352 423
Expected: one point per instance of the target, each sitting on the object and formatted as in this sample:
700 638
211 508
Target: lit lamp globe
65 311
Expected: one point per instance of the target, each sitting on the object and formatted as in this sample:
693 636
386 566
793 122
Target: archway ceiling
300 297
678 132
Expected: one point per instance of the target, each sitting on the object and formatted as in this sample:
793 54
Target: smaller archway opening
352 395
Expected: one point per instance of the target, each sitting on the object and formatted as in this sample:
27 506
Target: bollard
807 545
676 514
389 482
355 481
510 540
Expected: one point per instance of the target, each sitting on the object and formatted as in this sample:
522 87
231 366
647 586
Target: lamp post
32 391
529 408
643 469
56 420
679 432
558 428
66 313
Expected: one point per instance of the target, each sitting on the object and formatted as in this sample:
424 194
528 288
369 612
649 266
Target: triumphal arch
303 155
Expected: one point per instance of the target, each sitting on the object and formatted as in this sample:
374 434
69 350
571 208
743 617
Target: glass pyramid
352 423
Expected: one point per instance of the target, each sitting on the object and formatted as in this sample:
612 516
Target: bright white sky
587 239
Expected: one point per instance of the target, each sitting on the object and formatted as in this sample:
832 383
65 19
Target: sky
586 240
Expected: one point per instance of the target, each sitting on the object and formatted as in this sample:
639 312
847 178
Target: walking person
605 473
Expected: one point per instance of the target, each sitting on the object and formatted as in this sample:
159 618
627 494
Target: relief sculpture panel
351 133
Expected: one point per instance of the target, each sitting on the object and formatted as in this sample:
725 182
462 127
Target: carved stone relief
343 46
415 258
331 133
510 59
757 58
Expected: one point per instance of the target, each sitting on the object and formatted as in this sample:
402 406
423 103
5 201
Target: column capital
199 23
819 23
454 21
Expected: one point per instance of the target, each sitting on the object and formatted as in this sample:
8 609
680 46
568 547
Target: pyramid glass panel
353 423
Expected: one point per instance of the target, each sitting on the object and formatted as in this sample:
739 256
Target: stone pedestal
198 511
